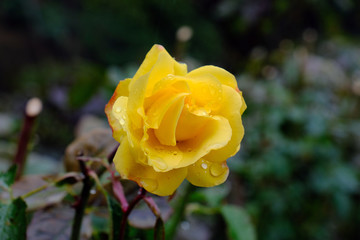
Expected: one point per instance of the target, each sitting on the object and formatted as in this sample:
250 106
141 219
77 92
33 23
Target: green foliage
300 151
13 220
7 178
238 223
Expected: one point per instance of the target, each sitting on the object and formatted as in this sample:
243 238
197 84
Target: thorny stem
85 193
141 195
80 208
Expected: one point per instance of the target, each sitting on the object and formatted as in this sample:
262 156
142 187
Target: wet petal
222 75
149 61
207 174
160 183
167 129
215 134
231 110
163 102
190 124
206 91
122 89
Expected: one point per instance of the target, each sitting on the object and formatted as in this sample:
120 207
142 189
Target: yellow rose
174 125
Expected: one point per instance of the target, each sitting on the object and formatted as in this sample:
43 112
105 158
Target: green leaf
238 223
159 231
7 178
115 217
13 220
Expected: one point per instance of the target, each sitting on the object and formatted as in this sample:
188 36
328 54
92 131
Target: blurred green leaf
13 220
7 178
213 196
238 223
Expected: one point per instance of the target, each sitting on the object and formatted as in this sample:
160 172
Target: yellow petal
190 124
161 105
231 110
215 134
206 91
149 61
136 100
207 174
162 184
122 89
167 129
222 75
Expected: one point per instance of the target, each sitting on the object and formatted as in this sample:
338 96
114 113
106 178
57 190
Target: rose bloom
174 125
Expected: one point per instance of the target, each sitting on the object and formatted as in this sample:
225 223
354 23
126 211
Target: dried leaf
56 223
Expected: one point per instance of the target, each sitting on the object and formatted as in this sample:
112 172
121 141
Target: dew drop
149 184
175 153
200 112
204 165
159 164
92 191
122 121
118 110
217 169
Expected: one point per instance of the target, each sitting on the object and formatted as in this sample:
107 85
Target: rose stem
80 207
32 110
141 194
85 193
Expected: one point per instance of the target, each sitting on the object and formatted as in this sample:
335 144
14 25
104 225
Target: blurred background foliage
297 63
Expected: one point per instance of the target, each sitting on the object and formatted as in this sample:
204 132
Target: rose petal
190 124
231 107
162 184
167 129
161 105
207 174
206 91
215 134
122 89
149 61
222 75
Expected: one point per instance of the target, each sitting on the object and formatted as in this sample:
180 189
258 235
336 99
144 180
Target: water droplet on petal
118 110
217 169
159 164
175 153
204 165
122 121
149 184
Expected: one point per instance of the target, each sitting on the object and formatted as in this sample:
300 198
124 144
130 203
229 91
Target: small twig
141 195
152 205
39 189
